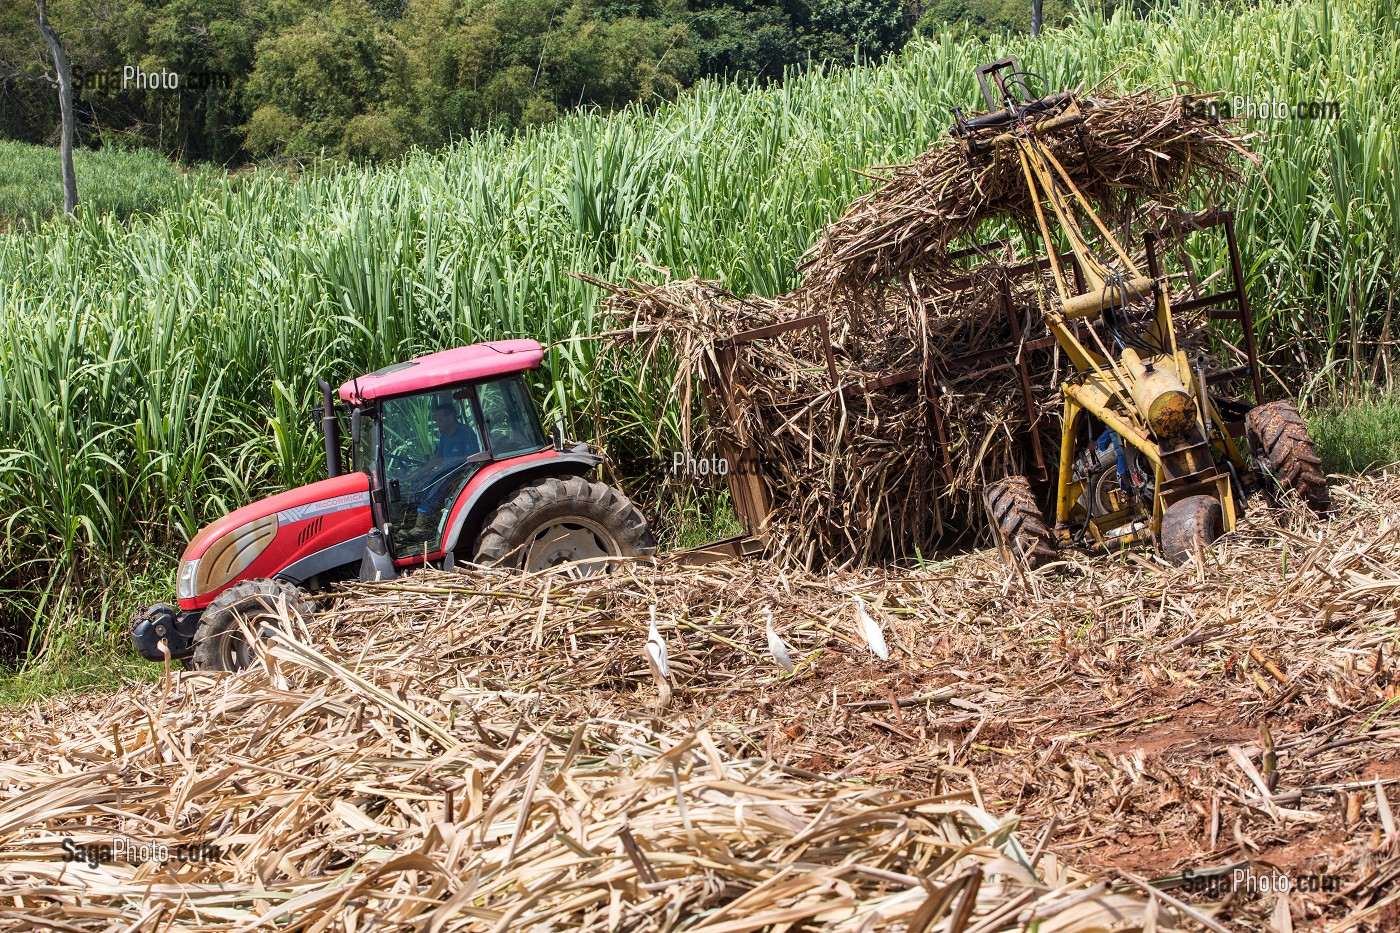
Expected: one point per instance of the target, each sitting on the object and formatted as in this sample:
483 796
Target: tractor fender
469 515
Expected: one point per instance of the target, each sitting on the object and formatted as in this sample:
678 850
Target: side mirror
556 434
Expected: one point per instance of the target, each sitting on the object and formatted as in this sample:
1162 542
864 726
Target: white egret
656 648
660 666
777 648
870 630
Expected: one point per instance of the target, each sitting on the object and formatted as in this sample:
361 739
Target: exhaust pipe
330 430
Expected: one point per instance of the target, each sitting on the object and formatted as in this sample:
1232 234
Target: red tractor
449 463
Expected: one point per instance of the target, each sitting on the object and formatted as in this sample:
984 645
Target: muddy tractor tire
1018 529
1284 451
557 521
219 643
1196 521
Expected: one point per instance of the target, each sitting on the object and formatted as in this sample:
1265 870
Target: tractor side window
511 421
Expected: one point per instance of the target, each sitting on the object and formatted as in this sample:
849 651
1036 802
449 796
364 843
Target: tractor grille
310 531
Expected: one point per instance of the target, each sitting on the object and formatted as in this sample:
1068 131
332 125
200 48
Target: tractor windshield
428 441
434 443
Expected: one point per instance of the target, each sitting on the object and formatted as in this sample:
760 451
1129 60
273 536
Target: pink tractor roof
448 367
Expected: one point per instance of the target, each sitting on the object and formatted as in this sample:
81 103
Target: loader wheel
1284 450
557 521
1018 529
1189 522
219 643
1101 493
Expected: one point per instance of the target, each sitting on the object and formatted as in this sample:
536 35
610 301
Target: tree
513 63
65 106
993 18
337 82
871 29
750 39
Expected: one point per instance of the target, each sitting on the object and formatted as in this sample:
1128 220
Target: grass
111 182
86 673
699 520
156 371
1358 435
69 631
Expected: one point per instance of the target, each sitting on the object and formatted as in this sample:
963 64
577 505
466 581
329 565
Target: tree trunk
1035 17
65 107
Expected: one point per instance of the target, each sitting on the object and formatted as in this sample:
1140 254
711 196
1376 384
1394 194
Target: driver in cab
456 442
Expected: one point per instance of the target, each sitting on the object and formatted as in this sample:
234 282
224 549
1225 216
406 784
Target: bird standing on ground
659 664
870 630
656 648
777 648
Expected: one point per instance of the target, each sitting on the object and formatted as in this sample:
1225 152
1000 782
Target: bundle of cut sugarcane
1128 151
852 473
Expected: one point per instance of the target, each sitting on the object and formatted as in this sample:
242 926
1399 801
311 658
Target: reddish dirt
1174 738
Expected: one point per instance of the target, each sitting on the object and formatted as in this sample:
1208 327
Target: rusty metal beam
772 330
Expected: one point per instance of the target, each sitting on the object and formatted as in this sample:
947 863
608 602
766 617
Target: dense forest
368 79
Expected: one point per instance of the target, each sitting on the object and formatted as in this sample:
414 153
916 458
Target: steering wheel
403 462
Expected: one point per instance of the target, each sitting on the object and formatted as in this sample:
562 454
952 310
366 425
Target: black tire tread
1278 432
512 523
1022 530
1186 522
244 597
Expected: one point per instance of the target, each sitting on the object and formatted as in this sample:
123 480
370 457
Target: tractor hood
272 536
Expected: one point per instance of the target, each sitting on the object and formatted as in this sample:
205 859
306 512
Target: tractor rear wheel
559 521
1189 523
1284 450
219 643
1018 529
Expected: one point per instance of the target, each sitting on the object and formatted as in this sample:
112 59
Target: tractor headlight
226 558
184 587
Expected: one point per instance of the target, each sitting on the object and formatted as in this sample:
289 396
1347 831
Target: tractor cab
448 464
422 430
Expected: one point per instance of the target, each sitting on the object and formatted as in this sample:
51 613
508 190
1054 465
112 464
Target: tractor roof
448 367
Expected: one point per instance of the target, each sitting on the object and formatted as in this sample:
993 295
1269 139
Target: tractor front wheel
560 521
1018 529
1284 451
1195 521
261 605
